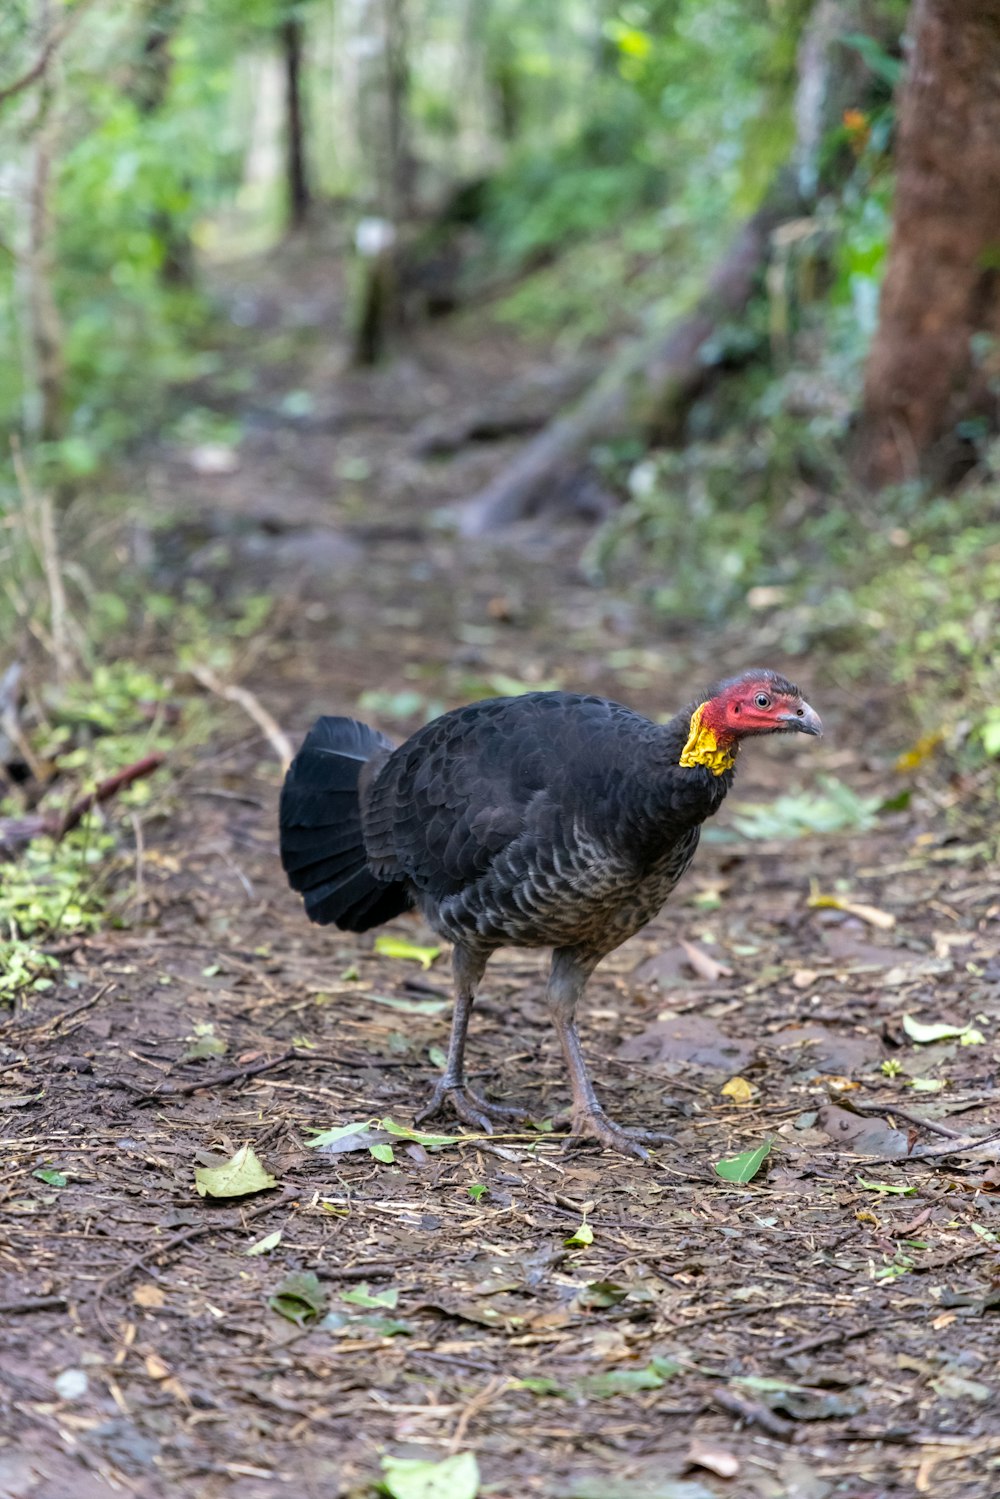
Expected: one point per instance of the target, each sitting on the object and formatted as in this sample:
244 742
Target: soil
826 1329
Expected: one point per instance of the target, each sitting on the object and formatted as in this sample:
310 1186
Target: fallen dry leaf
148 1295
704 965
155 1367
884 920
738 1089
718 1460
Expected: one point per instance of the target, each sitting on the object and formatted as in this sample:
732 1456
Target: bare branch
50 46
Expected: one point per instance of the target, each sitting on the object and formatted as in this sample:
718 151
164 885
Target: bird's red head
758 702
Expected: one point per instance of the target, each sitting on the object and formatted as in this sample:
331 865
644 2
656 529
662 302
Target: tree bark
299 191
933 364
397 101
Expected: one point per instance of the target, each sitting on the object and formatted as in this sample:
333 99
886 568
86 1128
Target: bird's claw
470 1107
590 1124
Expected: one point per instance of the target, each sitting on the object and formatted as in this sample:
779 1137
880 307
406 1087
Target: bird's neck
708 744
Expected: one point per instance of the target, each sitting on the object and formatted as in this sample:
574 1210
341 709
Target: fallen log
645 387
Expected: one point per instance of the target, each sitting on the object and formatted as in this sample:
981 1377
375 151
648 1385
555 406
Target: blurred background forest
681 211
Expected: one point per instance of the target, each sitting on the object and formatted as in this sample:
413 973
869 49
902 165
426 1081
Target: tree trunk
397 102
928 373
299 192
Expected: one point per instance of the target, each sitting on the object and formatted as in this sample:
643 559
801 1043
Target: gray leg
571 968
468 966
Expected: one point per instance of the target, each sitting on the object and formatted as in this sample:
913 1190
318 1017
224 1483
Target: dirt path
810 1334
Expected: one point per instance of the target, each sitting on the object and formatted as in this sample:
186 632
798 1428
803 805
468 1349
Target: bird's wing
472 783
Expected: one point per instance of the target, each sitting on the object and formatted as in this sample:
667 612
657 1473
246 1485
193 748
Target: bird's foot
594 1124
470 1107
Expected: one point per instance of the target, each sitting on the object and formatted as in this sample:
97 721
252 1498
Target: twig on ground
848 1334
108 788
752 1412
377 1271
252 706
237 1074
960 1145
893 1110
17 832
56 1025
491 1391
33 1304
211 1224
764 1308
220 1080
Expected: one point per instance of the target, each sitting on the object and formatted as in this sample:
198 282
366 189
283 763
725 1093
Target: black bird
549 820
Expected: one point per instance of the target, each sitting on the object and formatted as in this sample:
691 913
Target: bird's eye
762 700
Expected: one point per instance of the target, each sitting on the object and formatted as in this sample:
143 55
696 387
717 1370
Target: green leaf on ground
51 1178
383 1153
384 1327
404 1132
414 1478
540 1384
581 1237
339 1132
204 1043
956 1387
602 1293
925 1034
300 1298
264 1245
361 1296
412 1006
626 1381
744 1167
886 1187
240 1176
398 947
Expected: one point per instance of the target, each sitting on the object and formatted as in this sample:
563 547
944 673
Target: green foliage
614 273
24 966
686 103
937 628
836 808
56 886
707 551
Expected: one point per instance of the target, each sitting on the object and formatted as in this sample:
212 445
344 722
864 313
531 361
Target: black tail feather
322 845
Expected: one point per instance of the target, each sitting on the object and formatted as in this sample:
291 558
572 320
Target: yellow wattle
703 748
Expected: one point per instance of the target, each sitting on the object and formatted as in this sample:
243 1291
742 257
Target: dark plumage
549 820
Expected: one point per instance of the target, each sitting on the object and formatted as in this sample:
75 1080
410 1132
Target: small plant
836 808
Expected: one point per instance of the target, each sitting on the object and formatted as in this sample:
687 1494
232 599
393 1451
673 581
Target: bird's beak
804 720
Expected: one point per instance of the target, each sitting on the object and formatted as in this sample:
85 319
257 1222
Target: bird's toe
467 1106
597 1126
650 1136
505 1113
